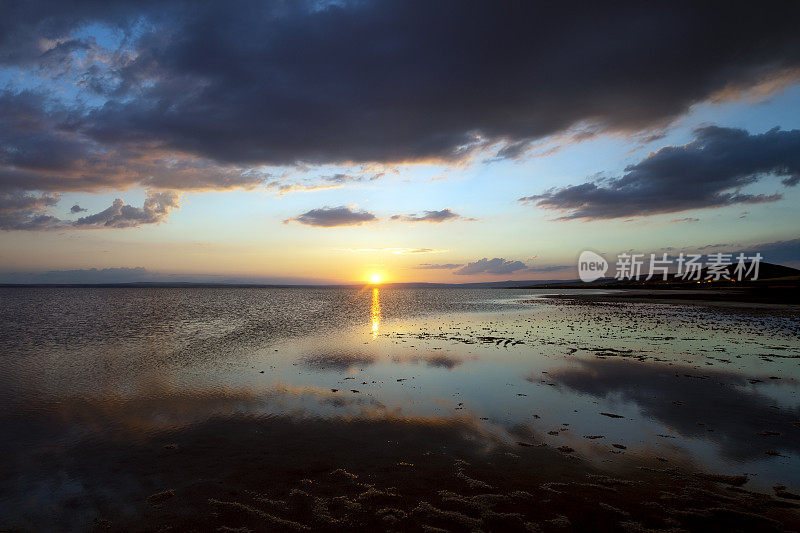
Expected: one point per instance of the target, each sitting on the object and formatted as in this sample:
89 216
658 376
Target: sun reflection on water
376 312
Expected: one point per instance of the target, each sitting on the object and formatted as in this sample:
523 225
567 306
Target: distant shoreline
528 284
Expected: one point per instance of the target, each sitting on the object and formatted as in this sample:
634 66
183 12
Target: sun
375 278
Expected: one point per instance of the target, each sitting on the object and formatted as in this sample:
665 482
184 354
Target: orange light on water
376 312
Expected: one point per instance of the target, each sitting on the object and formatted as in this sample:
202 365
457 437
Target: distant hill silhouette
769 275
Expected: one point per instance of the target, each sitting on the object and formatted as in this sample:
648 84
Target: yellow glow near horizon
375 278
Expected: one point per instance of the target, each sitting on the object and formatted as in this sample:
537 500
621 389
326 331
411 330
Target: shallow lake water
712 389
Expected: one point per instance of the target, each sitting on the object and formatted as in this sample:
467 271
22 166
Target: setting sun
375 278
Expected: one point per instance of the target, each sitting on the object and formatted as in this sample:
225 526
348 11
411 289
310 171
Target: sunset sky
301 142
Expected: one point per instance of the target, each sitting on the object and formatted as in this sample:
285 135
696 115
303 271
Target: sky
325 142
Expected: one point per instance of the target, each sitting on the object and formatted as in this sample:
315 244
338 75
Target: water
91 378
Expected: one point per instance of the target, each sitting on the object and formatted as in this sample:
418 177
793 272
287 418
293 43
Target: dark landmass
776 284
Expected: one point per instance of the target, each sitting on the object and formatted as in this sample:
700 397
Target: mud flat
395 475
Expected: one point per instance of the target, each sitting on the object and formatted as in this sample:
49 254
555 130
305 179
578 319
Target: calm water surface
711 387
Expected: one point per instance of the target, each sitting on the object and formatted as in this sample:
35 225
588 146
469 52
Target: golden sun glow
375 278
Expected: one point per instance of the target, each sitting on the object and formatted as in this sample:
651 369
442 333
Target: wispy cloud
435 266
397 251
322 183
445 215
551 268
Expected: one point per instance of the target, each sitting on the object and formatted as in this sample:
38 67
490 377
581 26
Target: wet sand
395 474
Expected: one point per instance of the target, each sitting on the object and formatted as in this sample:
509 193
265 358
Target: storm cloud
498 265
329 217
182 96
708 172
277 83
42 149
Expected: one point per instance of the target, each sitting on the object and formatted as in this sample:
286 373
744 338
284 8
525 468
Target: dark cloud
686 219
11 202
42 149
791 181
199 96
24 211
432 266
498 265
277 82
402 80
707 172
780 252
77 209
431 216
25 25
512 150
328 217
